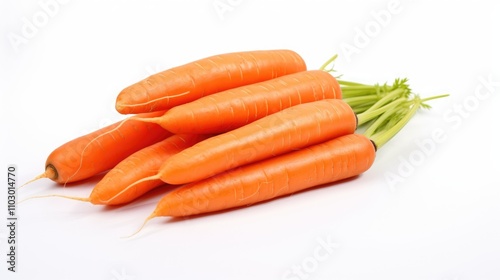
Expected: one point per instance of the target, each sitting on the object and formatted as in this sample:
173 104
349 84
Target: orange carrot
120 185
117 186
330 161
233 108
98 151
209 75
293 128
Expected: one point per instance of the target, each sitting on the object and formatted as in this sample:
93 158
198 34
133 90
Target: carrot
233 108
330 161
209 75
293 128
119 185
98 151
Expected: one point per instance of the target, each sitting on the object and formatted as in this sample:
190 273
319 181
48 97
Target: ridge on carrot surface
202 77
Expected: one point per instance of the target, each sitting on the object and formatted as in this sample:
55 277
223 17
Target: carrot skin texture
323 163
76 160
112 189
293 128
196 79
233 108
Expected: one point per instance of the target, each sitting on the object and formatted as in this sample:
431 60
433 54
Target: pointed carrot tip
49 173
84 199
151 216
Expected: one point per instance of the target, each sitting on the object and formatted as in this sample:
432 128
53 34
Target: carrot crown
385 109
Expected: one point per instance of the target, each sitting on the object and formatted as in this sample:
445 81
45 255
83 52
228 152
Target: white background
441 221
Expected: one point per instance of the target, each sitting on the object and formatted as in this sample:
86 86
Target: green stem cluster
388 124
362 97
384 109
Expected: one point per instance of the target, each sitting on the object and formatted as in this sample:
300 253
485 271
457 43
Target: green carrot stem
398 92
327 63
361 108
375 136
395 118
434 97
371 114
360 100
381 139
379 123
350 94
350 84
392 131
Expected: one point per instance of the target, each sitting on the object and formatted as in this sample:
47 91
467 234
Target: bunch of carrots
233 130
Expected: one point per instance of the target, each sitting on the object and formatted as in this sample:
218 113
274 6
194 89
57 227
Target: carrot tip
96 200
85 199
45 174
153 215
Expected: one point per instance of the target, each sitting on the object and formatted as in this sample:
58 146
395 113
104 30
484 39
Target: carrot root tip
84 199
153 215
46 174
96 200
